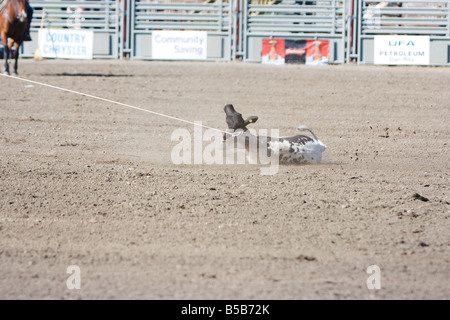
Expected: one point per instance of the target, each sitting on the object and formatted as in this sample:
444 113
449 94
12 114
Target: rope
111 101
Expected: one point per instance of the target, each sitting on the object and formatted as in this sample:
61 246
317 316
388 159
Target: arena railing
101 16
236 28
294 19
213 17
414 18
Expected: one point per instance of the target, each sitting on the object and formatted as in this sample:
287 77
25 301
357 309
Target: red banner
317 52
309 52
273 51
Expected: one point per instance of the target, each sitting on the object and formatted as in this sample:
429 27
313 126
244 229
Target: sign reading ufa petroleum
402 50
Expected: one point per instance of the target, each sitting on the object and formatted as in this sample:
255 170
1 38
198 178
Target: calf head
234 119
240 135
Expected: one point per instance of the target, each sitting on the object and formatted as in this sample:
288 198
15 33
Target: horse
13 25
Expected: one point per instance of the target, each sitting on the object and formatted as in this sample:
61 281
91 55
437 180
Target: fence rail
430 18
207 17
295 18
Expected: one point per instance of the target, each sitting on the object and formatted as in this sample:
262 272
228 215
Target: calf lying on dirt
296 149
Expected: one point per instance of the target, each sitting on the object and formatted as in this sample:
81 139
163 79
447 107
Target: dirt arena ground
92 184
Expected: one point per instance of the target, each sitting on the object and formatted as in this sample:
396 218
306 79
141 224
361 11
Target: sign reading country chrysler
179 45
66 43
402 50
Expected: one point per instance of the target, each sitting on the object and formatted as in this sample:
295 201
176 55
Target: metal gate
101 16
213 17
413 18
294 19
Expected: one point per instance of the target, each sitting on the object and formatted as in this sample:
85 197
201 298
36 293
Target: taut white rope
110 101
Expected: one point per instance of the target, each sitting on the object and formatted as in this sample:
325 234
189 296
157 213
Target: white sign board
179 45
402 50
66 43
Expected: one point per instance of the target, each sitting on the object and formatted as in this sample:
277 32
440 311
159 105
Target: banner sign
317 52
402 50
66 43
309 52
273 51
179 45
295 51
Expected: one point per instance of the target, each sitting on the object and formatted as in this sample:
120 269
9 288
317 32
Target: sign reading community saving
179 45
402 50
66 43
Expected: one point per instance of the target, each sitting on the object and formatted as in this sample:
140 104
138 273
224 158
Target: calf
296 149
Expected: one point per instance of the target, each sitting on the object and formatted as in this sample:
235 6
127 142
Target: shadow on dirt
79 74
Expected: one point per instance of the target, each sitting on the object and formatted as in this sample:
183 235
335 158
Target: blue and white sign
66 43
179 45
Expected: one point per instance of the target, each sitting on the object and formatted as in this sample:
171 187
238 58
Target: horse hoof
15 74
6 73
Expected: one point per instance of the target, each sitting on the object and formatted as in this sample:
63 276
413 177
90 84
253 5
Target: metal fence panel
214 17
294 19
415 18
101 16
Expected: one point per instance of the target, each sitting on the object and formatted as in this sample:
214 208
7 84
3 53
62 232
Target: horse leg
6 52
16 59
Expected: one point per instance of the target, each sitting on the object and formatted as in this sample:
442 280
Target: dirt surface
89 183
